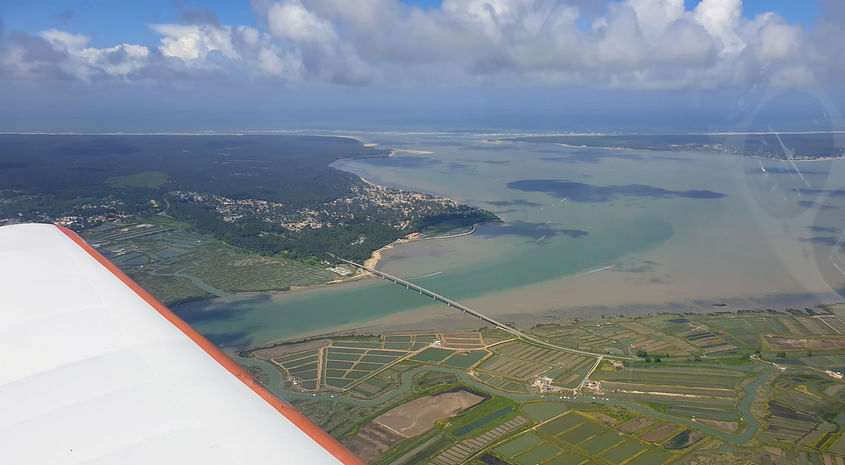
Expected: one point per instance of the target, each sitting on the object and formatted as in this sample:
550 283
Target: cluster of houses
545 386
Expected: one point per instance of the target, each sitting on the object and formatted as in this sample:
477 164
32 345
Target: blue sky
107 22
216 64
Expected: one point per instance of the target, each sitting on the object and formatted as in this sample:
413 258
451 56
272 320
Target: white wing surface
94 370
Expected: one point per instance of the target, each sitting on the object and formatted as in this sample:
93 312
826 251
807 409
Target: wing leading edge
97 371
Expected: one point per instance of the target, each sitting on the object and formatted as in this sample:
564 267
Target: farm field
678 376
542 411
176 265
518 361
575 435
464 449
614 336
684 387
364 366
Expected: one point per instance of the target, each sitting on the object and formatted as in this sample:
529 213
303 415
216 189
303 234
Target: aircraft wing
94 370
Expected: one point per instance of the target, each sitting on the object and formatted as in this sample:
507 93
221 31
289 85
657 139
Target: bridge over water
463 308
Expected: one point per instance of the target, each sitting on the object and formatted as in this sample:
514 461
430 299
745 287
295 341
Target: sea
586 233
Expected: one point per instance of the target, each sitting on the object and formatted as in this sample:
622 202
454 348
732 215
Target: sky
551 65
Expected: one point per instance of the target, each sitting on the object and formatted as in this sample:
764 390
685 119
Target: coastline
361 140
371 262
452 236
569 146
574 304
375 257
439 318
758 157
408 151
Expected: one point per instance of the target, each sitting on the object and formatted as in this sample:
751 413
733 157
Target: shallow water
679 231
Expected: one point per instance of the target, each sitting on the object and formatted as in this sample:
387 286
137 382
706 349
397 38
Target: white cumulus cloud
85 62
620 43
721 18
194 43
291 20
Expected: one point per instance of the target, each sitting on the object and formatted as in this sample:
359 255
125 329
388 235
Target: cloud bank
630 44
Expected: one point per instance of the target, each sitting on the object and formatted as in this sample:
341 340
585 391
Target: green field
542 411
651 457
838 447
483 421
175 265
566 459
465 360
562 424
432 354
602 442
711 377
339 383
398 345
517 445
624 451
520 361
708 413
582 432
358 344
537 455
800 411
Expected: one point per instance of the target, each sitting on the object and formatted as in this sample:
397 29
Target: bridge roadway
451 303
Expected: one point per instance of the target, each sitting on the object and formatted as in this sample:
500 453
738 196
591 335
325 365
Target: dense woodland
83 181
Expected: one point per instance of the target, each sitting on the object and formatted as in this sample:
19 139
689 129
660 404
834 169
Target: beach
408 151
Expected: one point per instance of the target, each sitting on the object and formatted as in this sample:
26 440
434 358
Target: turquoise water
674 227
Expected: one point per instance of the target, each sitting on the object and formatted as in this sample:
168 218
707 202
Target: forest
268 194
